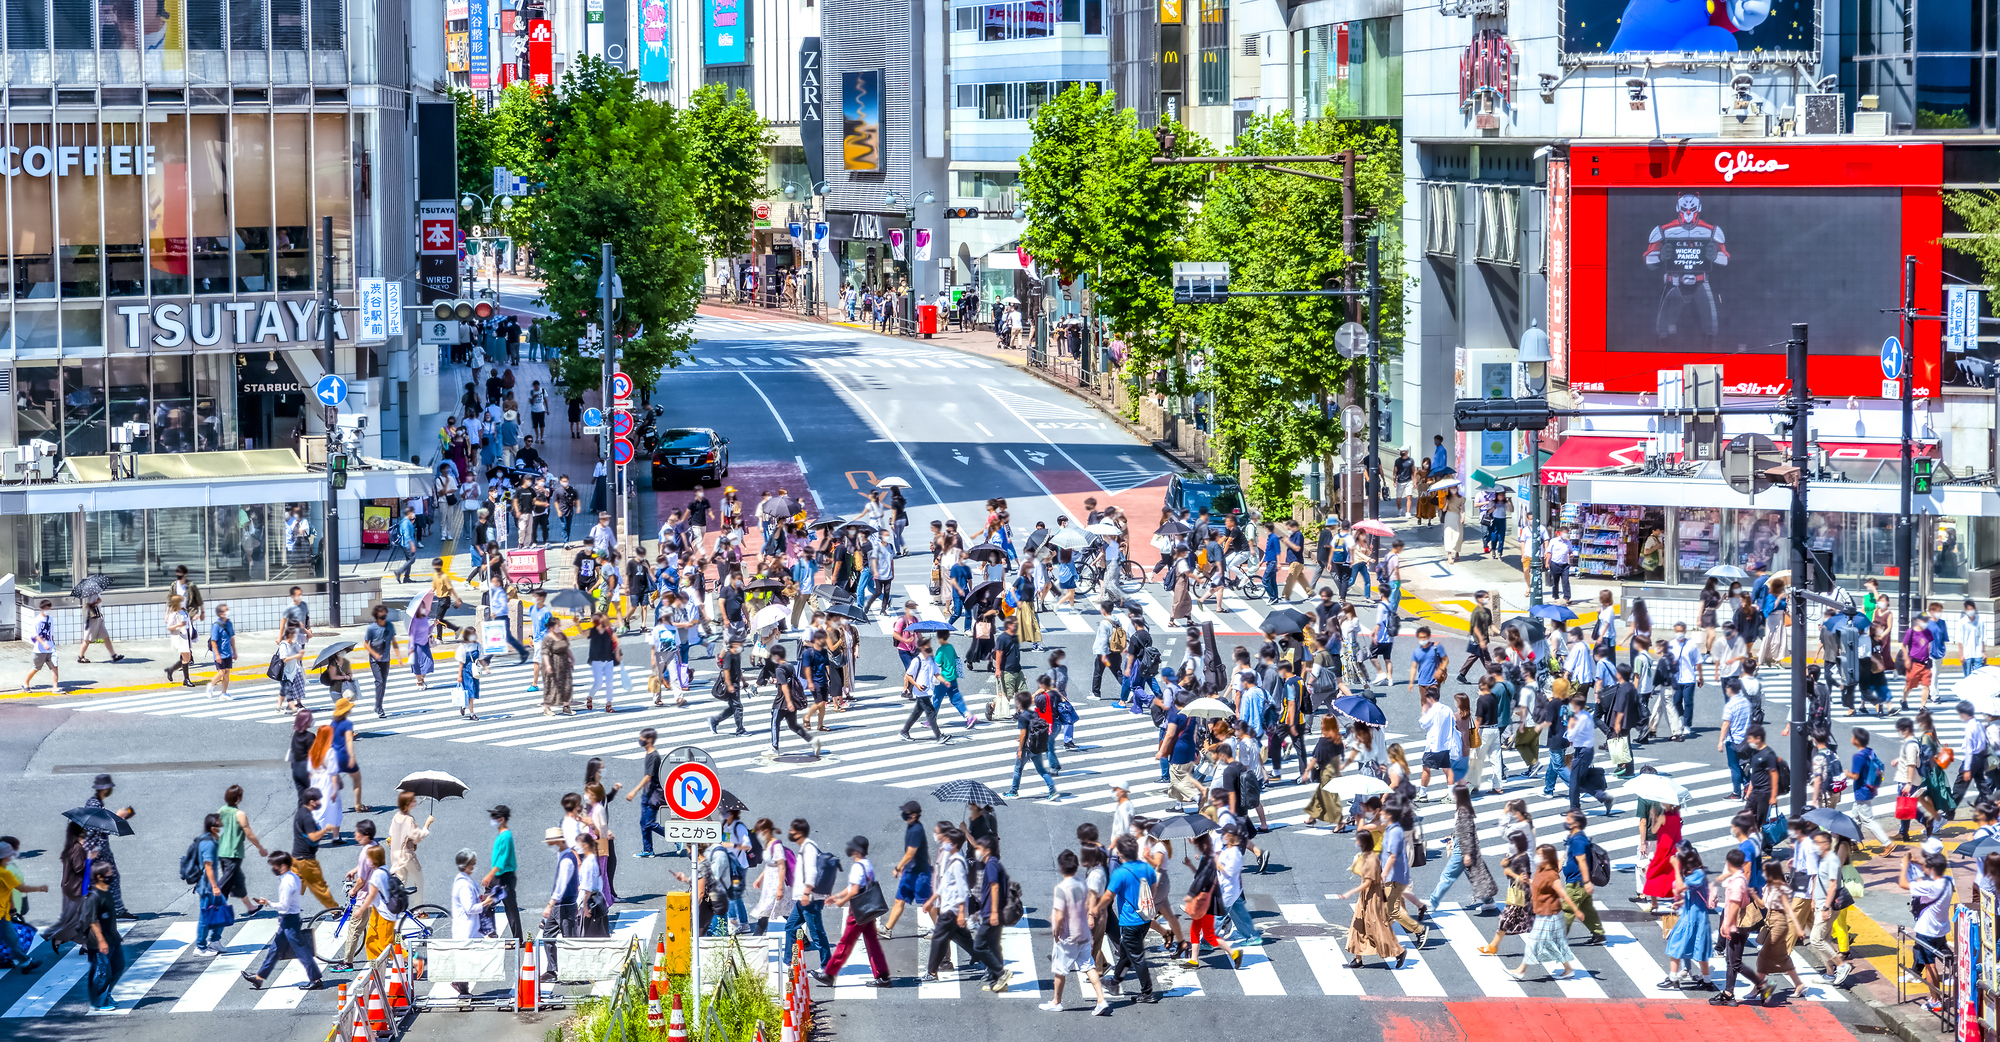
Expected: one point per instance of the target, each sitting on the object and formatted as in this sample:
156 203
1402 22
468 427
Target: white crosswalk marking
223 970
1255 974
153 964
1464 934
1416 976
1017 946
49 988
1639 967
1322 954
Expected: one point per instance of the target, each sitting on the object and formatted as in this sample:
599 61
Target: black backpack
1038 733
1600 865
191 861
1395 623
1011 908
1249 788
398 896
1149 662
1784 777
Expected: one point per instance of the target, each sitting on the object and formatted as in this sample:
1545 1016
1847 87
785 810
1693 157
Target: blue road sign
593 418
1892 359
331 389
621 451
621 424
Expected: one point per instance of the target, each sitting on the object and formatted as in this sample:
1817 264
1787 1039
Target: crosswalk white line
1255 974
1322 954
1638 966
283 992
1416 977
1465 935
49 988
151 965
1017 946
223 970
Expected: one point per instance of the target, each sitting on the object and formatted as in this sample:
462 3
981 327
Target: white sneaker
1840 976
1103 1010
1052 1007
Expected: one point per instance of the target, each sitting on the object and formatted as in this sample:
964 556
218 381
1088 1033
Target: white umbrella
1351 785
1010 300
1987 704
892 483
1102 528
1981 683
1444 483
1068 538
1209 708
770 615
1658 788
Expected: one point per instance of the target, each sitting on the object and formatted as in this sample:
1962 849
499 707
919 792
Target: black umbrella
1976 850
730 802
91 586
1211 661
1181 826
1532 629
984 591
99 819
826 523
1833 821
326 654
985 550
763 584
859 526
967 792
433 785
848 610
571 600
1172 528
1286 620
833 592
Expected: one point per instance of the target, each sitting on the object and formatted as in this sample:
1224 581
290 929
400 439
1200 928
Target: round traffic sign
621 451
621 386
1351 339
621 424
693 790
593 418
331 389
1892 359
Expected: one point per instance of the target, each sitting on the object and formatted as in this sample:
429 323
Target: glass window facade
194 41
1935 65
1354 68
1212 83
257 542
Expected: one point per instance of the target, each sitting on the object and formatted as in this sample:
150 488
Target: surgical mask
495 821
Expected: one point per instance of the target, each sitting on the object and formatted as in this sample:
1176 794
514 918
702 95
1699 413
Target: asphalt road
960 433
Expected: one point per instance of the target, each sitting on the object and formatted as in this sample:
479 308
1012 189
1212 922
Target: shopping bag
1621 750
1906 807
493 636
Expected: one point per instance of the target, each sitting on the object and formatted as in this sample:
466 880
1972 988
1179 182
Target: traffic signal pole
1374 463
611 468
329 307
1802 560
1905 524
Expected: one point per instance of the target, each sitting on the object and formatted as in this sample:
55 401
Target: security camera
1545 151
1826 84
1635 88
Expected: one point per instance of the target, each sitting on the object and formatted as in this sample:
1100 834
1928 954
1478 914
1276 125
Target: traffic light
462 310
1201 282
1920 476
1502 414
337 466
961 213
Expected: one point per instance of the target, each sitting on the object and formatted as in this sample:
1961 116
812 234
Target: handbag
276 670
1752 915
220 913
1906 806
1197 905
1667 924
1621 750
868 904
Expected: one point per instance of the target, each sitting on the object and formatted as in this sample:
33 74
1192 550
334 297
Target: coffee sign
44 160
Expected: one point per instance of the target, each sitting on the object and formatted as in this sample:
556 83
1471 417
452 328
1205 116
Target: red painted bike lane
1561 1020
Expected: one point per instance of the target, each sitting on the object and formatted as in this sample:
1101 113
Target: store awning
1581 452
1516 470
1844 497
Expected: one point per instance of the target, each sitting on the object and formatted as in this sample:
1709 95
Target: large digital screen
861 120
1706 270
1689 26
725 32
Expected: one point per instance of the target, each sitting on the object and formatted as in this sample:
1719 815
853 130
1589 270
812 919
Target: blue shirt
1438 460
1860 767
1577 846
1754 857
1124 885
466 660
1271 545
540 617
1395 855
406 533
1736 719
223 633
1184 748
1429 659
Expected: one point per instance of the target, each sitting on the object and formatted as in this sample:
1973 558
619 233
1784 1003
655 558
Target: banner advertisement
541 52
726 32
1709 33
861 120
921 238
896 243
375 522
812 115
655 66
478 59
457 52
1558 260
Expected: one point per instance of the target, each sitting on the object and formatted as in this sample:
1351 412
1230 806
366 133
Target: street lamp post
483 211
1534 356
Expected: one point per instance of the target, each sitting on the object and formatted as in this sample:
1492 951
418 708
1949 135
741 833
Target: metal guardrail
1906 968
369 1011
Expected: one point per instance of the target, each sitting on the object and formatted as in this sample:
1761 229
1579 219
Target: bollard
527 990
653 1019
677 1030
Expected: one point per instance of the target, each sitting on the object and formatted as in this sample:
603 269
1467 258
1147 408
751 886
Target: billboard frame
1806 60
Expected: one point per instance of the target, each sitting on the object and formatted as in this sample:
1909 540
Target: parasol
326 654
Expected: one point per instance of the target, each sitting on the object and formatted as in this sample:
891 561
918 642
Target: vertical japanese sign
437 223
725 32
541 52
861 120
479 59
812 114
655 65
374 306
392 303
1558 266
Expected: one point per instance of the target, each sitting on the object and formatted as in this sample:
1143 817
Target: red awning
1581 452
1867 449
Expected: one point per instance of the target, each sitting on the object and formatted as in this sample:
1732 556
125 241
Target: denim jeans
1579 764
1242 930
1735 767
1454 867
1552 769
950 690
1684 705
648 824
105 969
808 913
1271 583
1361 575
1040 768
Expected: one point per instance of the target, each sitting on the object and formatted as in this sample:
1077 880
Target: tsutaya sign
43 160
244 322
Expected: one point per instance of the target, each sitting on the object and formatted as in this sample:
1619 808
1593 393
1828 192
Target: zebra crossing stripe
50 987
1416 977
151 965
1464 935
224 970
1322 954
1638 967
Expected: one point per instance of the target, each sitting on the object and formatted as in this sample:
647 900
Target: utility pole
329 307
1373 464
1802 560
611 470
1905 527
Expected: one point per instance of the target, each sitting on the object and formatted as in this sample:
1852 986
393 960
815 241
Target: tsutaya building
164 174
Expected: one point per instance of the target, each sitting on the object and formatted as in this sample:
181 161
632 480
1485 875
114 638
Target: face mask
495 821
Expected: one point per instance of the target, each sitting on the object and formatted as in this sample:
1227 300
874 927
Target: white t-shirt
1933 896
1121 819
1229 873
1440 729
1071 919
803 879
288 894
379 879
593 877
859 873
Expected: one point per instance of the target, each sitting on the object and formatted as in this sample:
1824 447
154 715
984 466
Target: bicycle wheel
1088 579
1131 576
421 920
329 915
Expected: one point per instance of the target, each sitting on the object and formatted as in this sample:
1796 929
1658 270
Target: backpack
1116 642
1269 717
1784 777
1147 909
398 896
1149 662
191 861
1871 772
1038 733
1600 864
1395 624
826 873
1249 788
1011 907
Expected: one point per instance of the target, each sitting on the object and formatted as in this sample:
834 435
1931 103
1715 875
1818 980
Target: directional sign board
621 424
693 791
1746 458
621 451
1892 358
331 389
593 418
693 831
621 386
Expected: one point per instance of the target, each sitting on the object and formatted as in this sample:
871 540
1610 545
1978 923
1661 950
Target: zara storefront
166 171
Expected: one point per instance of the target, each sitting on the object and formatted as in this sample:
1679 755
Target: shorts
914 887
1427 689
1437 761
225 663
1933 951
820 694
1919 674
1405 489
1067 957
230 871
1383 651
45 659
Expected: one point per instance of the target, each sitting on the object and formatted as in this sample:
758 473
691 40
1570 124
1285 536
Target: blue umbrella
927 626
1360 709
1552 611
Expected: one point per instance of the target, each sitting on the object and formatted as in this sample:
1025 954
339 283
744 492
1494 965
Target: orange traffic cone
399 997
527 990
677 1029
378 1014
790 1034
653 1019
660 960
340 997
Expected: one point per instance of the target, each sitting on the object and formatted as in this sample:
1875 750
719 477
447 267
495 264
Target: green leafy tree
1981 213
613 165
1268 363
475 143
1097 205
726 166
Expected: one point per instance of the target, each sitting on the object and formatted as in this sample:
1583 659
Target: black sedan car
693 454
1218 494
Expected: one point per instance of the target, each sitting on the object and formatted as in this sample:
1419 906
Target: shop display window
1613 542
1698 543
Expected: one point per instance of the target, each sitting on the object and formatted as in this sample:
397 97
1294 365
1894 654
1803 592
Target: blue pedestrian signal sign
593 418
